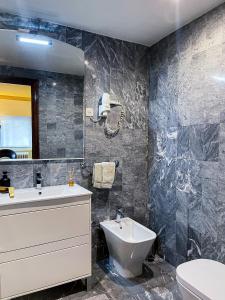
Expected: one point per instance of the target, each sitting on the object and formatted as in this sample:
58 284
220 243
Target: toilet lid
204 277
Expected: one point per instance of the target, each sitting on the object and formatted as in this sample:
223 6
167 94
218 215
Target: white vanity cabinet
45 240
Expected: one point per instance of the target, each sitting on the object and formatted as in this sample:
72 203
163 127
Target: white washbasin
47 193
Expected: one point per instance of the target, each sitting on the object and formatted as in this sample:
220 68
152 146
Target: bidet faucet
119 215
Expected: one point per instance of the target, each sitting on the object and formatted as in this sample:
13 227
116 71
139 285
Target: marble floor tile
158 282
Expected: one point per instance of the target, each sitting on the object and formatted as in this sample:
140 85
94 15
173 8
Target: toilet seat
203 277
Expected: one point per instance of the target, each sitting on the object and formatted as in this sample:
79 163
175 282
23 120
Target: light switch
89 112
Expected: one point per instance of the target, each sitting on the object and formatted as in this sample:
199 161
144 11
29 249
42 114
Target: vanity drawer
44 248
43 271
45 226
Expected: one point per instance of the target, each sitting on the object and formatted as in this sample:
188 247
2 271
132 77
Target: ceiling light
34 41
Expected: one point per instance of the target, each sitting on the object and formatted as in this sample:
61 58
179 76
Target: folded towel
108 174
97 175
103 175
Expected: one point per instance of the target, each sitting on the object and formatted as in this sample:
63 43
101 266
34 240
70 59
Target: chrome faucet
119 215
38 180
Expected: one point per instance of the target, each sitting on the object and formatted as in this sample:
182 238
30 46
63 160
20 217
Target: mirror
41 97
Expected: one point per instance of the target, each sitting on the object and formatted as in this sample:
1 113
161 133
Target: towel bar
84 165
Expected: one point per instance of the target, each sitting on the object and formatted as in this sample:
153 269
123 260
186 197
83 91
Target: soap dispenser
5 181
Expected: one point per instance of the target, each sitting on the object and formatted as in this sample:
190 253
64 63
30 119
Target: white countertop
47 193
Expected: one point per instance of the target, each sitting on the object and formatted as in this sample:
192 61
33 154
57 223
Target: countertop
47 193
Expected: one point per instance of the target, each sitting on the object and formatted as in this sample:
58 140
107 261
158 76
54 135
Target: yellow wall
15 108
15 100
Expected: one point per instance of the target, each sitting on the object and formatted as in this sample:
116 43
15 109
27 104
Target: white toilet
129 243
202 279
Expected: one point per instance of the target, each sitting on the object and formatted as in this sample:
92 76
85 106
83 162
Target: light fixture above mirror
33 40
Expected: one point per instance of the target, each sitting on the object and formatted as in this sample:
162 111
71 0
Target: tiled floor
157 282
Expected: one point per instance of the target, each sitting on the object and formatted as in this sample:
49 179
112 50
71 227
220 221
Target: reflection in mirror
41 97
15 112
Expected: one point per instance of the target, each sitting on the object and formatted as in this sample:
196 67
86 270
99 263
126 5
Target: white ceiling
140 21
59 57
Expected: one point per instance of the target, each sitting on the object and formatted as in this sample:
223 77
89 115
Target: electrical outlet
89 112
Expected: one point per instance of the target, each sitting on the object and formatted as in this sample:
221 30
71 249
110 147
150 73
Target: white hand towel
108 174
97 175
103 175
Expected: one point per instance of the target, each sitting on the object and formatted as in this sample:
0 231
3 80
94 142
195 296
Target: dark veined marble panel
185 90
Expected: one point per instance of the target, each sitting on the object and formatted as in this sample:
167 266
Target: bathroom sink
46 193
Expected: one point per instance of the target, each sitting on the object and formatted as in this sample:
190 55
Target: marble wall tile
113 50
52 30
74 37
9 21
186 71
96 54
183 40
204 142
222 141
21 176
196 104
181 235
194 244
209 170
57 173
210 208
182 201
158 114
129 51
209 31
183 142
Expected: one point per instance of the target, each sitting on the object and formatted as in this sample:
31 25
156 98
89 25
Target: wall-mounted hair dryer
104 106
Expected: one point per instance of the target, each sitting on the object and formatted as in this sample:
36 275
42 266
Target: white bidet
129 243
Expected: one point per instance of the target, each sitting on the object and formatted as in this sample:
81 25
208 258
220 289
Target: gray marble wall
120 68
60 111
187 140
